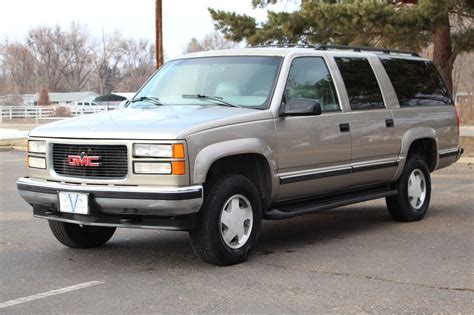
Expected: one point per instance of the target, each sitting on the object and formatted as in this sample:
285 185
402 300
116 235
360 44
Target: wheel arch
423 140
249 157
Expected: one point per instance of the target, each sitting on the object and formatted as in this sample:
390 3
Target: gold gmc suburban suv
214 142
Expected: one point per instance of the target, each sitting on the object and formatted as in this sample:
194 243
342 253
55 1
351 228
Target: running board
294 209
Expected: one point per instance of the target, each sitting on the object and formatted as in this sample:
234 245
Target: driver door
314 152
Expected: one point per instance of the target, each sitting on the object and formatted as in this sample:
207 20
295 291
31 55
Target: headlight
36 162
153 150
159 150
152 168
35 146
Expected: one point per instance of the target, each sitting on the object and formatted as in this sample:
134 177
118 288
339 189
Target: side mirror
301 107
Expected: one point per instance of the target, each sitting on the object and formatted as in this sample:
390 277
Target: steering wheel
260 93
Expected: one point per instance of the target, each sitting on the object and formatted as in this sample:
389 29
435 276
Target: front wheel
230 221
80 236
414 192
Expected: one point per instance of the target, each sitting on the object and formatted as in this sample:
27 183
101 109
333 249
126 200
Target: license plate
71 202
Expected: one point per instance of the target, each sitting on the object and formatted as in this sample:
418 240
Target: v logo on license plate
73 203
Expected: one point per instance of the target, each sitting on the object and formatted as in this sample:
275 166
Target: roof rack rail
285 46
359 49
340 47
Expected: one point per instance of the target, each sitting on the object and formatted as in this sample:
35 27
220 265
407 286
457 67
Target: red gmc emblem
83 160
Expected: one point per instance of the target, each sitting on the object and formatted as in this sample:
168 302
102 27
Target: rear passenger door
314 151
374 147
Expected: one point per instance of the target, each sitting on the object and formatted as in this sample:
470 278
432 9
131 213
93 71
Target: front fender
208 155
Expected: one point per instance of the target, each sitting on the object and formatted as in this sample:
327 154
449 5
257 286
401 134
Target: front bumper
121 206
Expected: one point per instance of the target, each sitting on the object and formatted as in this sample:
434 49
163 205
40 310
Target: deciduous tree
211 41
18 67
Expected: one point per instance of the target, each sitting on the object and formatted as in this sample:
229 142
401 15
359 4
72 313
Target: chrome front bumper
116 200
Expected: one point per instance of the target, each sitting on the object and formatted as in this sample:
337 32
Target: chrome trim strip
135 226
316 175
374 162
362 167
448 152
336 171
313 174
315 170
109 188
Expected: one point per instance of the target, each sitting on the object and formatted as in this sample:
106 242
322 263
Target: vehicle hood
164 122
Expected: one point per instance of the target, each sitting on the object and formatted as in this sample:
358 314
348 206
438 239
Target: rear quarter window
361 84
416 82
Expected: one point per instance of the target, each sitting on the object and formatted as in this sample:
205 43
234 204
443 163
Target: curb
15 142
12 148
17 148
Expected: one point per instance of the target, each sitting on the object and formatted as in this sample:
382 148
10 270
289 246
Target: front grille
112 163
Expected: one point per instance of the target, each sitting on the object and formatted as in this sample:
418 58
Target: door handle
344 127
389 123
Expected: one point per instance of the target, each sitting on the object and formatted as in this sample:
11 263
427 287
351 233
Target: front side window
416 82
245 81
361 84
309 78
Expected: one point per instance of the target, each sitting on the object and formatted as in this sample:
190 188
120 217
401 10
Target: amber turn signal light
178 168
178 151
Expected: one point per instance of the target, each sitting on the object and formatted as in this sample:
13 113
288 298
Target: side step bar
294 209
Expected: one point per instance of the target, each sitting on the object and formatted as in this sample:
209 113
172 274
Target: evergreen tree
404 24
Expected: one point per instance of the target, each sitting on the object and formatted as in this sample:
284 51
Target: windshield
243 81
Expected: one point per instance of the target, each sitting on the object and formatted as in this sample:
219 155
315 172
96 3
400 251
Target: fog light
36 162
152 168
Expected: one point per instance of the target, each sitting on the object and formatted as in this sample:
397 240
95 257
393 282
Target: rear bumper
113 205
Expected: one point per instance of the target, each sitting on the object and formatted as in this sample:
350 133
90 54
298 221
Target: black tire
399 206
76 236
207 240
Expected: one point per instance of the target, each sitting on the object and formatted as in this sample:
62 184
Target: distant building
15 99
69 97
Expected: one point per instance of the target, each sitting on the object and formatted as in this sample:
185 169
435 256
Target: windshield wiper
150 99
218 100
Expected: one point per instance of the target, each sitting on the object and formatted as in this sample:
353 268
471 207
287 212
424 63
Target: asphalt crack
372 278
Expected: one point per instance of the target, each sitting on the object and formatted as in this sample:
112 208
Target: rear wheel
229 224
77 236
414 192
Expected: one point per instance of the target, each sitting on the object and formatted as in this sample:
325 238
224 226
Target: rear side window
361 84
416 82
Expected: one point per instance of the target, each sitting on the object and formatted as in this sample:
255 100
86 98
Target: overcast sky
182 19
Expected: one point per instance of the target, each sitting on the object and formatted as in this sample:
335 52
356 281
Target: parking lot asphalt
353 259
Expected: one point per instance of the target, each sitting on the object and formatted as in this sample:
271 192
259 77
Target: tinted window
361 84
416 82
309 78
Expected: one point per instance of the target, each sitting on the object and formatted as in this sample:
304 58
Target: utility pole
159 33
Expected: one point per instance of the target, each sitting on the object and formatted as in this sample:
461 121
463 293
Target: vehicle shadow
322 228
157 249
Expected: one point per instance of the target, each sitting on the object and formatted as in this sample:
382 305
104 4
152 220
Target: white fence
11 112
47 112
